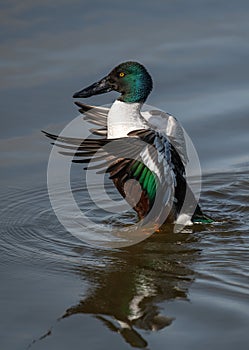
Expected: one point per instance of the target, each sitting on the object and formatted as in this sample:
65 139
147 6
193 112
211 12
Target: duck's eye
121 74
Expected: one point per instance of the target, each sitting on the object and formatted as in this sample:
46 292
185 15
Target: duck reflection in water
125 295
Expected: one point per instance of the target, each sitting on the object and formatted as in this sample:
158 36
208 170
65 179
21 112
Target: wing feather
155 162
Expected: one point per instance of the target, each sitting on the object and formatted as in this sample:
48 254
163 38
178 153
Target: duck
144 152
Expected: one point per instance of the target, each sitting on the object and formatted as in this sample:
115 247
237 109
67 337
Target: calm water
175 291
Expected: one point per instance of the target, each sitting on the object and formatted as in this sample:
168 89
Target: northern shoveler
148 147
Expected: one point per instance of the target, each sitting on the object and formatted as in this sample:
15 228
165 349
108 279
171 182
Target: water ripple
31 232
225 245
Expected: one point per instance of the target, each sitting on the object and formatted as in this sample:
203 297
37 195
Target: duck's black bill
100 87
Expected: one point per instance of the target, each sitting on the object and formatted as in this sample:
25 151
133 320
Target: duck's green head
131 79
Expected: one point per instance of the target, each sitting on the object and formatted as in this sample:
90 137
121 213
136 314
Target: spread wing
145 156
154 157
155 160
157 120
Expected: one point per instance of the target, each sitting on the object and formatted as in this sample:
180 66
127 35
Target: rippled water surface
176 291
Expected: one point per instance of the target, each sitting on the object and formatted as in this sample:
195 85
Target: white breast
124 117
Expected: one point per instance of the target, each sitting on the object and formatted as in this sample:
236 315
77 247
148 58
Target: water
178 291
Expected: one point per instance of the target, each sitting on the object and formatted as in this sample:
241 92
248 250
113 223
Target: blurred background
197 53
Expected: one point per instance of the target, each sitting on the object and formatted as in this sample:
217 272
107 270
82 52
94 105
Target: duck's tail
200 218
